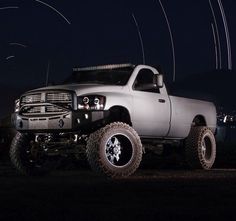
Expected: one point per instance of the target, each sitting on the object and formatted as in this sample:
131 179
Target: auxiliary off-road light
91 102
85 117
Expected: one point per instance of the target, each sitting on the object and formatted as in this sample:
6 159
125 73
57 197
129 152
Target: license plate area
38 123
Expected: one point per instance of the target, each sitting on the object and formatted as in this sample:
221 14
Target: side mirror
158 80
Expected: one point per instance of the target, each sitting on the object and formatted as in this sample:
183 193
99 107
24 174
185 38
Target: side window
144 78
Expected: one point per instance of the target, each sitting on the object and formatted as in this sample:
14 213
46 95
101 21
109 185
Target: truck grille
34 110
59 97
51 109
29 99
57 103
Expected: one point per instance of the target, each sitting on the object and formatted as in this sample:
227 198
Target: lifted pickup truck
112 113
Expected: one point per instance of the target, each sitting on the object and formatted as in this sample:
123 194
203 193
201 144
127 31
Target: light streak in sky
215 44
59 13
47 74
140 37
9 7
227 35
18 44
10 57
217 34
171 39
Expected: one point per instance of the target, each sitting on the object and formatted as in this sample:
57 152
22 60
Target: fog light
78 120
86 116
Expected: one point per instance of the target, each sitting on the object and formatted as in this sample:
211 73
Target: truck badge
61 123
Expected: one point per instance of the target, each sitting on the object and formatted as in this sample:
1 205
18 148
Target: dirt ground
159 190
149 194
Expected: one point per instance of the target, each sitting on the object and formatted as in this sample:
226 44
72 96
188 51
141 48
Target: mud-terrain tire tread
193 155
17 144
98 164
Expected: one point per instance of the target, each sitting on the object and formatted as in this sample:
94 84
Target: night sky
37 36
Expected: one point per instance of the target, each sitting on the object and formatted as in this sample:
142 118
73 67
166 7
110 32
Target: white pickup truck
112 113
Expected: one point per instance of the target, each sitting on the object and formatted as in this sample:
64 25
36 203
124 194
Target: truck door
151 112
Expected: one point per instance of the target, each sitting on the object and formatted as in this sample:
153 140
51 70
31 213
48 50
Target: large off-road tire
115 150
200 148
26 160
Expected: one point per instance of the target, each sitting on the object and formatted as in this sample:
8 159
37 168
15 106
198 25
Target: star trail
183 38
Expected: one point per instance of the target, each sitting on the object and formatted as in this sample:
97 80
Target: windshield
109 77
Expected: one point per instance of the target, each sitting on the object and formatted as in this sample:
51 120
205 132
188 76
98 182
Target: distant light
225 119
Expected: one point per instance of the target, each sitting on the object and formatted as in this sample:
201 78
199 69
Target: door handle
162 100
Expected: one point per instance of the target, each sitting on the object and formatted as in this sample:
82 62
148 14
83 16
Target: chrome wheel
206 147
119 150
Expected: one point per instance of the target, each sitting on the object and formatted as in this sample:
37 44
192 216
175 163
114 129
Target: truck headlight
91 102
17 105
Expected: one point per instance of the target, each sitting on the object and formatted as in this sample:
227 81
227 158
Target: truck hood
81 88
